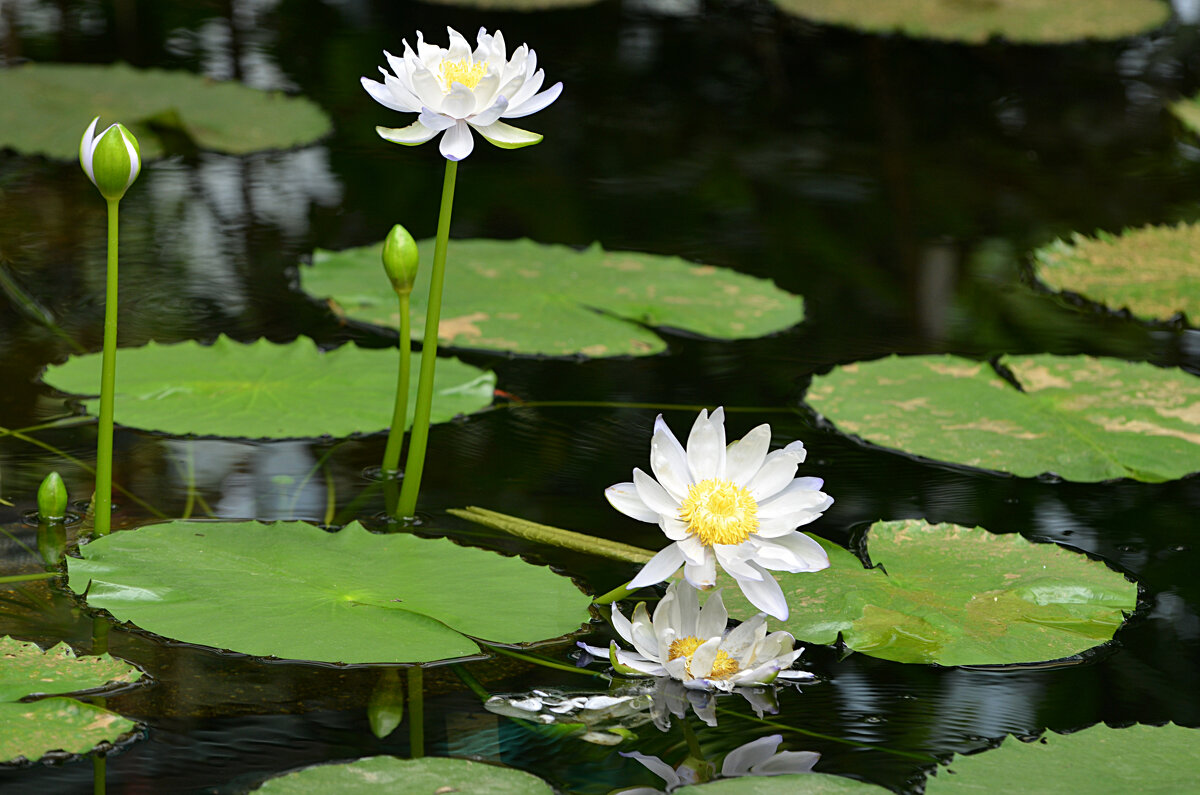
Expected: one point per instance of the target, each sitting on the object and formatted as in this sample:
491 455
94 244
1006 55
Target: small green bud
112 160
400 259
52 499
385 710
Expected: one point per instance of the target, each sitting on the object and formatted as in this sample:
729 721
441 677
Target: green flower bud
400 259
52 499
112 160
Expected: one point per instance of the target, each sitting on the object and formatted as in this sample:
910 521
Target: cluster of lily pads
729 510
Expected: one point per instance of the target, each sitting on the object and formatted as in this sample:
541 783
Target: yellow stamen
724 666
719 512
463 71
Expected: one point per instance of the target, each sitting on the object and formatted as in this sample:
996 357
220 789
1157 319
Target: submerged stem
108 379
419 439
416 712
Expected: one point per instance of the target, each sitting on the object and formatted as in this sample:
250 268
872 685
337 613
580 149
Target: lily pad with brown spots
1154 272
955 596
531 298
1080 417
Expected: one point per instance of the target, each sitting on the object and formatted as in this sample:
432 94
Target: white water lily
112 160
736 506
759 757
692 645
456 89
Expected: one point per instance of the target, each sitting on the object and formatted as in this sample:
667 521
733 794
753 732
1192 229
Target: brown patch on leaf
452 327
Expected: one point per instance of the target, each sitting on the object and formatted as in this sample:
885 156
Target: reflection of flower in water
759 757
692 645
736 505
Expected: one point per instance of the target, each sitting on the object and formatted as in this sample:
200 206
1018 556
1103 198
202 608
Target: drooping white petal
413 134
734 558
774 527
794 498
624 497
794 552
535 103
693 550
744 457
701 575
654 495
506 136
457 142
766 595
489 115
380 93
739 761
656 766
659 568
435 121
787 763
621 624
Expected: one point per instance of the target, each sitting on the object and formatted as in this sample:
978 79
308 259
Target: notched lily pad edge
104 747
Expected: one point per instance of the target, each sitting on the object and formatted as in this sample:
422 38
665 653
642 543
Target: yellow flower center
463 71
719 512
723 667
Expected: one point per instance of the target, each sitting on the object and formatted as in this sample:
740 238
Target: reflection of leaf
1151 271
47 106
293 590
1083 418
1097 760
977 21
267 390
954 596
521 296
796 784
33 729
377 774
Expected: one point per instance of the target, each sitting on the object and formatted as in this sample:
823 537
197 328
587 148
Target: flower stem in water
108 379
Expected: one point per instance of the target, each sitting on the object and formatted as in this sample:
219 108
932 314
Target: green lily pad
47 107
976 21
1083 418
954 596
1098 760
795 784
32 729
515 5
1150 271
425 776
525 297
292 590
264 390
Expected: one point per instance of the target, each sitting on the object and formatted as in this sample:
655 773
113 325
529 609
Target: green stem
420 429
416 712
693 742
471 682
99 762
615 595
108 380
41 575
542 661
395 440
554 536
190 474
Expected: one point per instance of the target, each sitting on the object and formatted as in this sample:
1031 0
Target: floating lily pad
1098 760
32 729
293 590
1151 271
976 21
47 106
264 390
525 297
425 776
955 596
515 5
1083 418
795 784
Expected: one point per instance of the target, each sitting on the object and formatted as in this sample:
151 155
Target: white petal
794 553
659 568
459 47
794 498
668 460
485 92
673 528
787 762
380 93
687 613
705 449
428 88
427 52
774 527
703 658
457 142
459 102
735 559
621 624
774 475
743 639
435 121
713 618
524 85
739 761
624 497
701 575
766 595
506 136
654 495
642 634
135 163
87 149
744 457
656 766
693 551
532 105
415 133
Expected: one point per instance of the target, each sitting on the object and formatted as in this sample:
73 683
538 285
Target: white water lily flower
692 645
456 89
759 757
736 506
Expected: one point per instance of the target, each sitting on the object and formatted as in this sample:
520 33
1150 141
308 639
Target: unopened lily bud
52 499
400 259
112 159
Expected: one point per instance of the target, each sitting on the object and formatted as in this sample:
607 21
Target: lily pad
796 784
976 21
954 596
293 590
515 5
425 776
526 297
1098 760
31 729
1151 271
1083 418
265 390
47 106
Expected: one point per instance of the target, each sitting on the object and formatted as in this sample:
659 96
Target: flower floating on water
737 506
456 89
112 160
691 644
759 757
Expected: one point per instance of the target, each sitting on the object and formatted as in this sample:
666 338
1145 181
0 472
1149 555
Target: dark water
898 185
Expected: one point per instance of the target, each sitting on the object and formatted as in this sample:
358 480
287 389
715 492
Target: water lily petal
734 558
787 763
744 457
485 93
435 121
701 575
413 134
656 766
654 495
706 449
766 595
642 635
703 658
384 96
428 89
621 624
459 47
524 107
774 475
506 136
673 528
624 497
739 761
693 550
793 553
459 102
713 618
659 568
457 142
795 498
668 461
87 149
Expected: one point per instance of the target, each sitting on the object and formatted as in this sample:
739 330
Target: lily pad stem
407 506
395 440
416 712
108 380
615 595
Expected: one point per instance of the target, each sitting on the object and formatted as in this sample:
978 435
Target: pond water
898 185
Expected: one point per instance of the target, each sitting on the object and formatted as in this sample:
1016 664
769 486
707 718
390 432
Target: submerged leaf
955 596
1080 417
266 390
293 590
525 297
425 776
